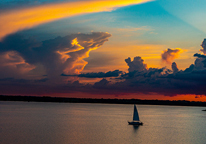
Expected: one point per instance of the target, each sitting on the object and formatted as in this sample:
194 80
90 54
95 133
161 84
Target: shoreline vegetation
106 101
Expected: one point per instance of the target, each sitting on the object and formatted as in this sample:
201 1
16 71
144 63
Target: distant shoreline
107 101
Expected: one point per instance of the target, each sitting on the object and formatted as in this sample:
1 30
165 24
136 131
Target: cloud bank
12 21
159 81
64 56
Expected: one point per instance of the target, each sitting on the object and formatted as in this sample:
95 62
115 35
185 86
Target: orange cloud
169 55
78 64
13 64
13 59
75 47
73 57
12 21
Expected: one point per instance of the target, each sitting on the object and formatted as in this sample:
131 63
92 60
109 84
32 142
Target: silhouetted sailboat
136 120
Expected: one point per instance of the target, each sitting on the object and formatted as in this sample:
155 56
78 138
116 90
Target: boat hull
135 123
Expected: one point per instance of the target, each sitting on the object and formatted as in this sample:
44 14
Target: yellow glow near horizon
12 21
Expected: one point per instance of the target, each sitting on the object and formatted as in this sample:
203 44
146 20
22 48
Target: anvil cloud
50 57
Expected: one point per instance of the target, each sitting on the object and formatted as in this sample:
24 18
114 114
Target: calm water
69 123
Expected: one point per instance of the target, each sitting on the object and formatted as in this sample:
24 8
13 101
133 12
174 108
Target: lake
79 123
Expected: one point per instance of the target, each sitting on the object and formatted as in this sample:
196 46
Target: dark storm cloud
114 73
199 55
138 80
162 81
165 81
200 62
102 83
23 81
203 46
148 81
55 56
136 65
174 67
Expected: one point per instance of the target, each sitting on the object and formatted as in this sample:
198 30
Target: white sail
135 115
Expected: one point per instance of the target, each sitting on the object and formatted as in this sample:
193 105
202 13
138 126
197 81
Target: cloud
23 81
170 54
203 45
15 20
55 56
136 65
174 67
102 83
12 64
200 62
199 55
167 82
66 55
159 81
114 73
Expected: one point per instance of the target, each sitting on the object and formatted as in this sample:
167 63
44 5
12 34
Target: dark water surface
71 123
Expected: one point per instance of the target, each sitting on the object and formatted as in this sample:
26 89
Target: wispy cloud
12 21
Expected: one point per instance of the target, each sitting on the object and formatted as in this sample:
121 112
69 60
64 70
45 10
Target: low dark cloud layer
160 81
114 73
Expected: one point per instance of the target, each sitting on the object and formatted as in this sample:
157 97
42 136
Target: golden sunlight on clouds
169 55
149 52
12 21
12 60
78 64
75 47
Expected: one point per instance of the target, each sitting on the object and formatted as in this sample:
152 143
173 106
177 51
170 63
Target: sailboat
136 120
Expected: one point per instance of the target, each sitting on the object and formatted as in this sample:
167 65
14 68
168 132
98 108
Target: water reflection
56 123
135 127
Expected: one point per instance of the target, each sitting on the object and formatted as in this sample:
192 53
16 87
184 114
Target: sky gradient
103 49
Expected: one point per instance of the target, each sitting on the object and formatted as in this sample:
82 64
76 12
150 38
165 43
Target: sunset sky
146 49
